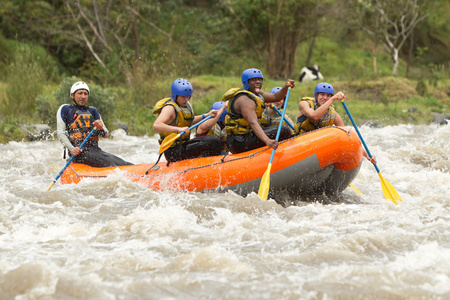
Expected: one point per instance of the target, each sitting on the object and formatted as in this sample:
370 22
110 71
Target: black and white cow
310 73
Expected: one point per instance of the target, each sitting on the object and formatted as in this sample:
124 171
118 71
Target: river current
114 239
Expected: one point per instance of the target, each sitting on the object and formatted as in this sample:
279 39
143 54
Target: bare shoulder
303 104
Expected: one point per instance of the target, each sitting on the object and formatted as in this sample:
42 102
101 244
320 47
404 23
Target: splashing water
114 239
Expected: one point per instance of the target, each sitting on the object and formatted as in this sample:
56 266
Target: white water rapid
114 239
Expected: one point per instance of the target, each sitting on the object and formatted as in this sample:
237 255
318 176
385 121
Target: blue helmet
275 89
323 87
249 74
217 106
181 87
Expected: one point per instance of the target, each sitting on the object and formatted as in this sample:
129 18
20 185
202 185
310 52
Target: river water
113 239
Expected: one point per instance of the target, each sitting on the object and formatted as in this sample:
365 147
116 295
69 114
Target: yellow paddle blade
265 184
389 191
355 189
50 186
168 141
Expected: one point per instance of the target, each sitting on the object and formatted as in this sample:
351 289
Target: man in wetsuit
75 121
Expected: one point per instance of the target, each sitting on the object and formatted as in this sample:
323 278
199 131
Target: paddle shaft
388 190
265 180
281 123
359 134
284 118
197 124
169 140
70 160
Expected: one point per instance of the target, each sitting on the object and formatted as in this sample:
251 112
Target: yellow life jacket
183 118
235 123
276 121
219 132
267 120
305 124
79 129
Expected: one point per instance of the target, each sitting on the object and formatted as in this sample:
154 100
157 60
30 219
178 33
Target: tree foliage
390 22
25 79
274 28
124 41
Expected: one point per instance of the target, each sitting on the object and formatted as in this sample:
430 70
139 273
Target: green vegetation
385 100
210 43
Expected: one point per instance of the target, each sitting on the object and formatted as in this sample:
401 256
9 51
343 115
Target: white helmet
80 85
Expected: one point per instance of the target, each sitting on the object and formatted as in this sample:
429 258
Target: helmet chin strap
74 102
73 99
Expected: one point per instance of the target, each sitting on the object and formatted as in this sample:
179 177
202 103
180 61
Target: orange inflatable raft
321 161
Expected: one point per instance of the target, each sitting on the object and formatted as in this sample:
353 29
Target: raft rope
208 165
157 161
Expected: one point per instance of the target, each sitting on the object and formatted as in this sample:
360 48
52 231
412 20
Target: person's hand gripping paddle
265 180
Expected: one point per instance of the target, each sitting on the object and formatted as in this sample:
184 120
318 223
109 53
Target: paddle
388 190
354 188
265 180
292 126
174 136
70 160
279 112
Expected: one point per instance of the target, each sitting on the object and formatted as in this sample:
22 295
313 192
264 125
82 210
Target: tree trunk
313 40
375 71
373 46
282 48
410 53
395 58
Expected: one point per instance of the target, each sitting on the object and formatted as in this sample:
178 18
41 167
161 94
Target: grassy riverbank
386 101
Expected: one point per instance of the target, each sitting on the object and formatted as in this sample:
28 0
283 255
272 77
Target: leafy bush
421 87
6 53
25 82
10 131
438 73
9 49
45 110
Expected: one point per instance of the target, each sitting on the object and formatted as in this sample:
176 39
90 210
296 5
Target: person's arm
166 116
309 112
279 95
246 107
373 160
61 129
201 117
315 115
206 126
98 123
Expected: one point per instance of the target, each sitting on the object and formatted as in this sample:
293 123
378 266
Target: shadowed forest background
389 56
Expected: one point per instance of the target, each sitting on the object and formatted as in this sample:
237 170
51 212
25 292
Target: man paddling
319 112
244 114
272 114
176 115
75 121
